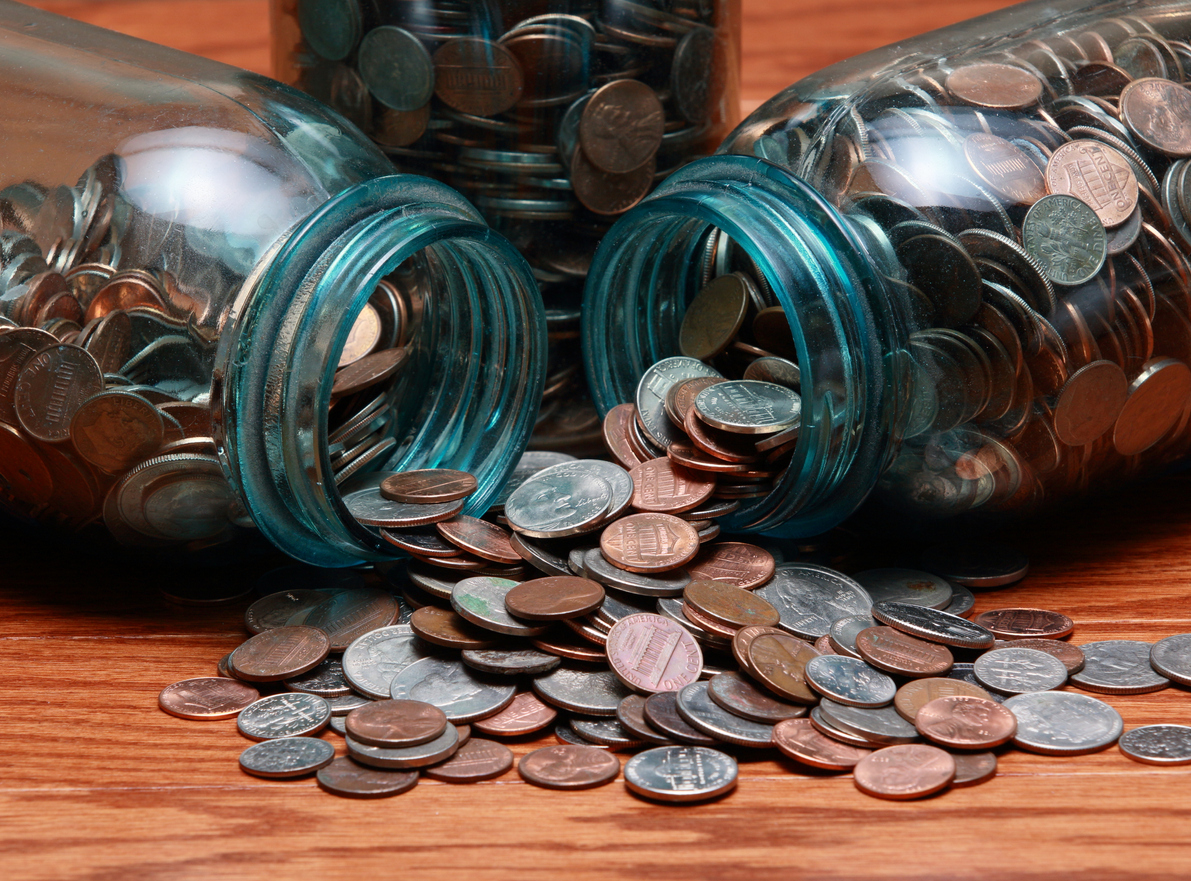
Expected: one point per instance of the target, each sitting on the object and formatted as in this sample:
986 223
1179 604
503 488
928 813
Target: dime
478 759
1171 657
649 543
1097 175
662 486
655 383
965 722
525 715
554 598
430 753
449 685
207 697
650 654
882 726
280 653
1158 744
1118 666
810 599
896 652
801 741
287 757
843 634
605 732
904 772
581 691
932 625
343 704
735 562
395 723
1063 723
1018 671
1070 655
849 681
779 663
1066 237
703 714
670 583
284 715
1157 112
481 601
905 586
325 680
568 766
680 774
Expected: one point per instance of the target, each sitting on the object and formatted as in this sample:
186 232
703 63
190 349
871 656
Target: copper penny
115 430
478 759
1072 656
52 387
740 696
896 652
661 485
998 86
349 614
733 562
824 647
681 396
966 722
446 628
569 766
744 637
1005 167
913 696
621 126
486 540
1158 111
1025 623
525 715
779 663
729 605
606 193
557 641
710 625
347 778
649 543
630 713
368 371
476 76
616 429
905 771
661 711
1097 175
280 653
208 697
973 768
396 723
554 597
651 654
428 486
801 741
717 443
1090 402
276 609
689 456
711 322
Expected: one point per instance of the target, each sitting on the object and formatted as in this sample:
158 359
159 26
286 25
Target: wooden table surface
98 783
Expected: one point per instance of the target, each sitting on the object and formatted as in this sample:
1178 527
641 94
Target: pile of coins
626 631
551 123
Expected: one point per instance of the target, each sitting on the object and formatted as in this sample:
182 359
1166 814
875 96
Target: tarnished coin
661 711
963 602
932 625
1097 175
1019 671
729 605
810 598
368 371
1090 402
510 662
276 609
713 318
650 654
1158 744
1064 723
622 126
630 713
348 615
973 768
450 686
779 663
913 696
481 600
655 383
905 586
554 598
208 697
657 584
849 681
605 732
525 715
396 68
1070 655
1066 238
1171 657
284 715
903 772
369 507
280 653
1158 397
734 562
556 503
343 704
477 76
325 680
581 691
662 486
977 564
997 86
372 660
649 543
115 430
740 696
448 629
1158 112
801 741
882 726
749 407
486 540
1118 666
1017 624
396 723
896 652
569 766
606 193
706 715
429 753
963 721
52 388
287 757
680 774
478 759
345 777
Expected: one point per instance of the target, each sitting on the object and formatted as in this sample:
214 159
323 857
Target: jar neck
466 397
819 266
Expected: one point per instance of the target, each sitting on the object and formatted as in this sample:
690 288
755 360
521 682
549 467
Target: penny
486 540
478 759
606 193
581 691
729 605
711 321
945 273
615 428
510 662
350 614
476 76
630 713
1157 112
1017 624
849 681
276 609
396 723
661 711
906 586
912 696
448 629
977 564
1090 403
1097 175
429 753
559 503
287 757
964 721
932 625
680 774
554 598
1171 657
1070 655
973 768
896 652
811 598
749 407
568 766
115 430
451 687
660 485
649 654
345 777
368 371
396 68
1005 167
906 771
428 486
1066 238
1158 398
1118 666
740 696
703 714
51 389
284 715
560 642
525 715
997 86
207 697
1018 670
481 600
280 653
1157 744
325 680
801 741
649 543
735 562
1063 723
622 126
779 663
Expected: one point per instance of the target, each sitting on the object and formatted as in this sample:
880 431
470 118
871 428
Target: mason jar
553 116
222 311
964 256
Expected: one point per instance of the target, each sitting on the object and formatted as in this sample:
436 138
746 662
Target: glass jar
973 245
221 308
552 116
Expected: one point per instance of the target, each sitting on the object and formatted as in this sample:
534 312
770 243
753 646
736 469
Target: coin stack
105 377
552 123
633 634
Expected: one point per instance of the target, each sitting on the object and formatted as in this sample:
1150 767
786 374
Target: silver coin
325 680
605 732
372 660
965 672
849 681
742 698
663 584
510 662
449 686
651 396
481 600
844 631
977 564
680 773
346 615
539 555
338 724
906 586
530 463
1158 744
592 693
554 505
616 607
442 747
1064 723
671 607
343 704
564 733
933 625
963 601
1066 237
824 726
284 715
396 68
880 725
1171 657
434 581
287 757
369 507
812 598
1019 671
1118 666
702 713
747 406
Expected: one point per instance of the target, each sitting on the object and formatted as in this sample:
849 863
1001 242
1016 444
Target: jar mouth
648 268
467 391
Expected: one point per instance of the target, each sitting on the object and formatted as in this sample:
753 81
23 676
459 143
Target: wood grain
100 784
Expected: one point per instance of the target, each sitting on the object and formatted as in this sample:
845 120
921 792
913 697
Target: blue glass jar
979 241
241 229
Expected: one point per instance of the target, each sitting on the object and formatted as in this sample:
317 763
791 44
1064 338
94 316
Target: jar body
1001 318
552 116
187 247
